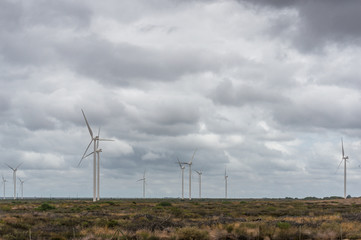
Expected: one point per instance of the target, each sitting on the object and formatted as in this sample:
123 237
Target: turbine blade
86 121
180 165
104 139
87 149
339 165
10 166
343 152
99 132
84 158
88 155
80 162
19 166
193 155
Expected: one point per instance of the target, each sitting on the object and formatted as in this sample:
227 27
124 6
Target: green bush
283 225
45 207
164 204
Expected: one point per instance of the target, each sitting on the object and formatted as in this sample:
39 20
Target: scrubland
181 220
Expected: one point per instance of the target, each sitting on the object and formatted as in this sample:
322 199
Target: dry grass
175 219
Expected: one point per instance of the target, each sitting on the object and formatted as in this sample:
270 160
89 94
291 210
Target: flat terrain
176 219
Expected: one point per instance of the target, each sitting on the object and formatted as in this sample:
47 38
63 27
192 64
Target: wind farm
245 115
232 217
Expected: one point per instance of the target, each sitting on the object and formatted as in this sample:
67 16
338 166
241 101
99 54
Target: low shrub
177 212
45 207
164 204
283 225
112 223
192 233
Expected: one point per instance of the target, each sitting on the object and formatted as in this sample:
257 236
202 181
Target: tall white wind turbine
95 140
4 181
200 182
182 169
190 174
22 187
14 176
225 181
143 179
344 159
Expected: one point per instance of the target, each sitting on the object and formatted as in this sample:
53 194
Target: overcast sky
263 88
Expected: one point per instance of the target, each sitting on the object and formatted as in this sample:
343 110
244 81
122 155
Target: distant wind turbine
143 179
182 169
344 159
225 179
14 176
190 174
200 183
4 181
94 139
22 187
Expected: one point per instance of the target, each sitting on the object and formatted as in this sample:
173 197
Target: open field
176 219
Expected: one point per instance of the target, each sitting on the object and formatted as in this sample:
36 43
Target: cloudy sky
263 88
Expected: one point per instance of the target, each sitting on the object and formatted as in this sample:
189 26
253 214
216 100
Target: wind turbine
200 183
98 151
344 159
4 181
190 174
182 168
22 187
96 140
143 179
225 179
14 176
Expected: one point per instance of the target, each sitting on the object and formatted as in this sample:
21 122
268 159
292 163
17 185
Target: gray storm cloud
265 89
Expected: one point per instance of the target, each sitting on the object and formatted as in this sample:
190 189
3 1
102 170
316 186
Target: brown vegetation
176 219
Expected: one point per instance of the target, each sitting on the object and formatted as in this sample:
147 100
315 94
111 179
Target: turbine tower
4 181
95 140
143 179
200 183
22 187
14 177
225 179
98 151
344 159
182 169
